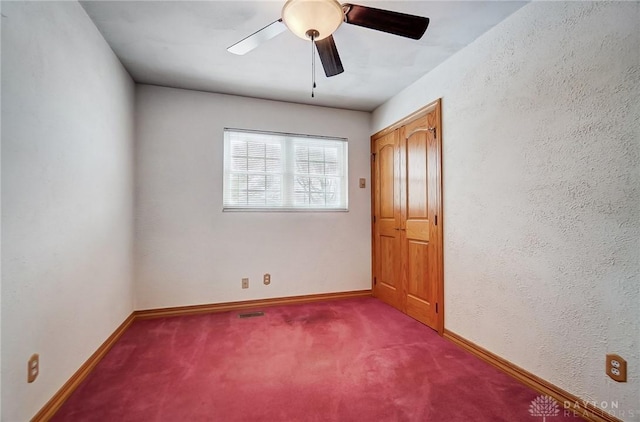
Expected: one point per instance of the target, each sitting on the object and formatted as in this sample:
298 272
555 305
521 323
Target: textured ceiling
183 44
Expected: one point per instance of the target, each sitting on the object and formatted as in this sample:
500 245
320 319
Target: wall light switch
33 368
363 182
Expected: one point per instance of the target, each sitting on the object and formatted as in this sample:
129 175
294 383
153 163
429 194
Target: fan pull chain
313 34
313 66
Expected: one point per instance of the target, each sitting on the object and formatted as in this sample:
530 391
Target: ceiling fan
317 20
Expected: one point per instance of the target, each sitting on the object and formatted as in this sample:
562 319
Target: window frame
288 174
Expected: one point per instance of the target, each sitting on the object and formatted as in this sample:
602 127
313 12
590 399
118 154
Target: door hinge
436 220
436 307
373 156
375 281
374 218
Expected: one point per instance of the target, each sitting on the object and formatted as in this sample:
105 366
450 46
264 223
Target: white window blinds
267 170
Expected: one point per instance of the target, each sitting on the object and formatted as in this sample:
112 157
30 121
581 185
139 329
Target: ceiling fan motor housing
303 17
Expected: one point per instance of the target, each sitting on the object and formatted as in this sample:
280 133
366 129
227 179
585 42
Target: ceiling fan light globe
323 16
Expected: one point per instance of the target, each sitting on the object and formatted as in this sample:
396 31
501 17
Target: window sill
232 209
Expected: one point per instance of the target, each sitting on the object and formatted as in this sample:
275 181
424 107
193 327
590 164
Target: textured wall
541 192
189 252
67 188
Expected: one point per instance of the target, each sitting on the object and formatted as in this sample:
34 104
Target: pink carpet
344 360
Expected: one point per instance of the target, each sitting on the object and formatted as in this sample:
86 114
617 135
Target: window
280 171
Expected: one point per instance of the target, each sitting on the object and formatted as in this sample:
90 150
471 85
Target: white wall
67 197
189 252
541 192
0 233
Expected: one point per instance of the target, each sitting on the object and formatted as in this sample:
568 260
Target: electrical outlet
245 283
33 368
617 368
267 279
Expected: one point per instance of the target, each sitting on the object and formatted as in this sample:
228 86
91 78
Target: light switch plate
33 368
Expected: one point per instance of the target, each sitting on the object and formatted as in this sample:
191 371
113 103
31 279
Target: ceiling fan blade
396 23
329 56
258 37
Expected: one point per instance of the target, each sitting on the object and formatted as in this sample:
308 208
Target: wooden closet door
419 237
386 242
407 201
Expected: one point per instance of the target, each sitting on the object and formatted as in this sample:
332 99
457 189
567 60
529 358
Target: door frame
433 106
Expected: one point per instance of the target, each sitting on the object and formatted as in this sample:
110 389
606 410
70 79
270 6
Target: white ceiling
183 44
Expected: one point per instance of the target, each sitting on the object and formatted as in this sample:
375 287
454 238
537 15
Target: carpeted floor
344 360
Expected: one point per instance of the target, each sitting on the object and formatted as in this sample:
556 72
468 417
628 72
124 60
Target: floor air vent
251 314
